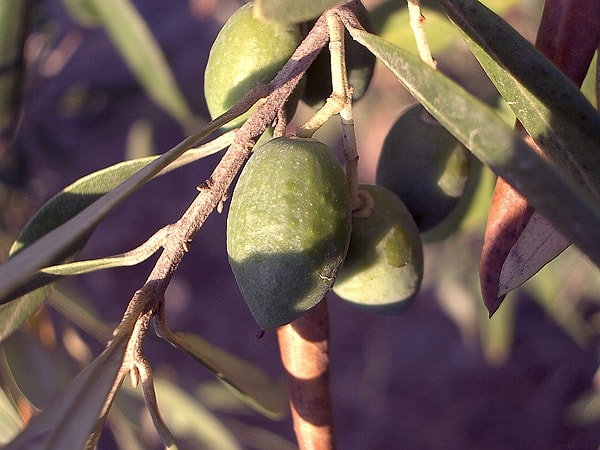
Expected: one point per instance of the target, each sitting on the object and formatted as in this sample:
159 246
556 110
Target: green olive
383 269
247 52
360 64
288 228
424 165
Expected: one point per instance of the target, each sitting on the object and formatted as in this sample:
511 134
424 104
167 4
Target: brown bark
304 347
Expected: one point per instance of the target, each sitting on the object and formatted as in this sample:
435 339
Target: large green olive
424 165
288 228
383 269
246 52
360 64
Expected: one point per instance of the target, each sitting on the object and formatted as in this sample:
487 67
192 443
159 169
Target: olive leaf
390 21
246 380
84 12
564 125
87 209
549 106
14 23
189 419
22 298
292 11
10 419
140 51
488 137
77 413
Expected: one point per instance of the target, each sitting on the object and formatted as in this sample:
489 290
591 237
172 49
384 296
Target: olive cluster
291 233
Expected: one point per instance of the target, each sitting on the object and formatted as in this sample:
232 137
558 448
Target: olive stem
149 299
417 23
343 90
304 348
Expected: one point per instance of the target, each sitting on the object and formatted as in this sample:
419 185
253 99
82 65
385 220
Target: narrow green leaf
65 238
84 12
16 312
246 380
551 108
391 22
69 420
292 11
140 51
14 26
10 420
495 144
24 297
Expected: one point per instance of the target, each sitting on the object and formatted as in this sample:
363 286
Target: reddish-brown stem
304 347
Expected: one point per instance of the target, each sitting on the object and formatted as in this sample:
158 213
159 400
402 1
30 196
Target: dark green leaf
550 107
14 26
496 145
292 11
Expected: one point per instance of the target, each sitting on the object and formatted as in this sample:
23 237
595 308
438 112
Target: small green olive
288 228
424 165
383 268
246 52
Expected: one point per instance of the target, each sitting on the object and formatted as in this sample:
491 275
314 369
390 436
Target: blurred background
442 376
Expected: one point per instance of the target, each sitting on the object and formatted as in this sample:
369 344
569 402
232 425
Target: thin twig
145 372
148 299
342 90
417 23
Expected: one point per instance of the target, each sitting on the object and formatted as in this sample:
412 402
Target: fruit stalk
417 23
343 91
304 348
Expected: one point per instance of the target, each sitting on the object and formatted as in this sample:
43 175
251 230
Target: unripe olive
247 52
383 269
360 64
424 165
288 228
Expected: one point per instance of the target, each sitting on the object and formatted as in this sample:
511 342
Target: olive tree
300 223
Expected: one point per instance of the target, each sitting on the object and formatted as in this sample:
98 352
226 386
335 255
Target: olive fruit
246 52
360 64
383 269
424 165
288 228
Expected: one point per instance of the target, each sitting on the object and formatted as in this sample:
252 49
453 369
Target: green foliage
140 51
289 223
486 135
